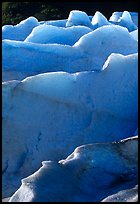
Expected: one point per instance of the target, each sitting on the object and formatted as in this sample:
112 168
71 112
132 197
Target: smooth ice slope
88 106
19 31
90 173
99 20
46 34
77 17
21 59
134 16
105 40
134 34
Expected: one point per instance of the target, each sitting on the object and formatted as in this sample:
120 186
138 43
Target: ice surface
88 53
99 20
32 58
77 17
124 19
116 16
89 174
82 90
19 31
5 199
58 23
46 34
136 132
134 16
128 195
105 40
88 106
134 34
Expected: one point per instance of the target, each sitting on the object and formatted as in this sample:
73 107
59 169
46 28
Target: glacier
116 16
72 101
20 31
134 34
48 34
89 174
77 17
99 20
23 59
70 109
125 19
128 195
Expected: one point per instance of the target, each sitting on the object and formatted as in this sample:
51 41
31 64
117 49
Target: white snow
19 31
46 34
86 175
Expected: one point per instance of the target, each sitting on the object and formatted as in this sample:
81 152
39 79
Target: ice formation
134 34
99 20
58 23
20 31
22 59
90 173
68 83
126 21
75 102
123 19
116 16
46 34
128 195
77 17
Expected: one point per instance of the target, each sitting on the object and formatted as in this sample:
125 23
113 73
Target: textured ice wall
22 59
128 195
88 106
73 102
89 174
